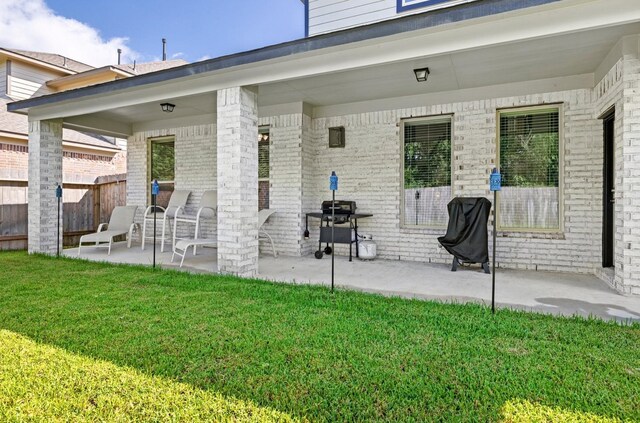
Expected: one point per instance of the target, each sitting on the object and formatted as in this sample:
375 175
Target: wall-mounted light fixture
167 107
422 74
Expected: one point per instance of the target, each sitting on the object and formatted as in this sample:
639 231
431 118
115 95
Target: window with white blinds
529 162
426 171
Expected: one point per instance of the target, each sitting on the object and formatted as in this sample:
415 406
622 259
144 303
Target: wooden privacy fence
85 206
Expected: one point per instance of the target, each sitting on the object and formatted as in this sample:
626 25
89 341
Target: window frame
150 142
265 129
561 146
402 123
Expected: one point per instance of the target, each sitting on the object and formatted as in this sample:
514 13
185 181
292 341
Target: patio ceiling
566 55
553 57
460 57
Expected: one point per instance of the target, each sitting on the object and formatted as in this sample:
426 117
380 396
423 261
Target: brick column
237 169
45 173
628 179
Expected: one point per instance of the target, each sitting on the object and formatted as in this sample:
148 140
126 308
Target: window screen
529 163
263 169
427 171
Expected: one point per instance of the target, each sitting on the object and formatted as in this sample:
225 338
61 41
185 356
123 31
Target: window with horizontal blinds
530 166
427 171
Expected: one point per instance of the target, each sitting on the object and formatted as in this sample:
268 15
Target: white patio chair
263 216
120 223
208 208
177 201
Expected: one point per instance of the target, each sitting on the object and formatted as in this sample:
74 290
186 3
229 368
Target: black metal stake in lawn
155 190
333 186
59 197
495 184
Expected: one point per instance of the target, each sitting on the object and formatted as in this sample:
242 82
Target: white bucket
367 248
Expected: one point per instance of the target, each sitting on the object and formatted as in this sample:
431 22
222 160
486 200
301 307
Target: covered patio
574 62
544 292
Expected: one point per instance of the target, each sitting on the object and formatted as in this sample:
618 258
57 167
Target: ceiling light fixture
422 74
167 107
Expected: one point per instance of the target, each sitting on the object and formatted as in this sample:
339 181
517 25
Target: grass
219 347
40 382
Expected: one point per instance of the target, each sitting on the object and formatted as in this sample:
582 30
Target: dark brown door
608 197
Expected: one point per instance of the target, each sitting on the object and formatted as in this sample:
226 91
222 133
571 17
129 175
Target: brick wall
369 171
630 180
606 94
79 166
237 144
45 171
196 164
285 182
620 89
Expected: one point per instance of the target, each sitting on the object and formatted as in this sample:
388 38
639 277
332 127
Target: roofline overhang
410 23
25 138
36 62
79 77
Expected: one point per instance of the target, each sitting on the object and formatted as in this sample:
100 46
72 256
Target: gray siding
3 78
334 15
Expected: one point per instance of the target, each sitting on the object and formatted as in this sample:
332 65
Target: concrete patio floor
546 292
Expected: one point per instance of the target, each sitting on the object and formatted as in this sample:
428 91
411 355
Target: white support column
237 181
45 173
628 178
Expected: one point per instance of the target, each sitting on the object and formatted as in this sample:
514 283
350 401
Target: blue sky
91 31
194 28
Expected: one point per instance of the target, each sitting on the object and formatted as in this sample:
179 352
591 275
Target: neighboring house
86 156
546 90
27 74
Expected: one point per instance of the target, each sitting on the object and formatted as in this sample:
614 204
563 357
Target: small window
529 160
426 171
263 168
162 164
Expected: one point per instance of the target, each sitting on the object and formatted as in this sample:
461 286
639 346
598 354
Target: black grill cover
466 236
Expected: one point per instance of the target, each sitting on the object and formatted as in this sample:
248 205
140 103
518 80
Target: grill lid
342 207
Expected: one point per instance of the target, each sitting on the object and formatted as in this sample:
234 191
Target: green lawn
89 341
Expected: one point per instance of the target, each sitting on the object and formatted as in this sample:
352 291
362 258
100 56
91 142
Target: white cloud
178 55
32 25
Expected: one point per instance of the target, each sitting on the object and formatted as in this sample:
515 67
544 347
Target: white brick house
561 75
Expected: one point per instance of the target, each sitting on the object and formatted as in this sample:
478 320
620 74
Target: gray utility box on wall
336 137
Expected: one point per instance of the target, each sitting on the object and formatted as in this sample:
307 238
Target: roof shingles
53 59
